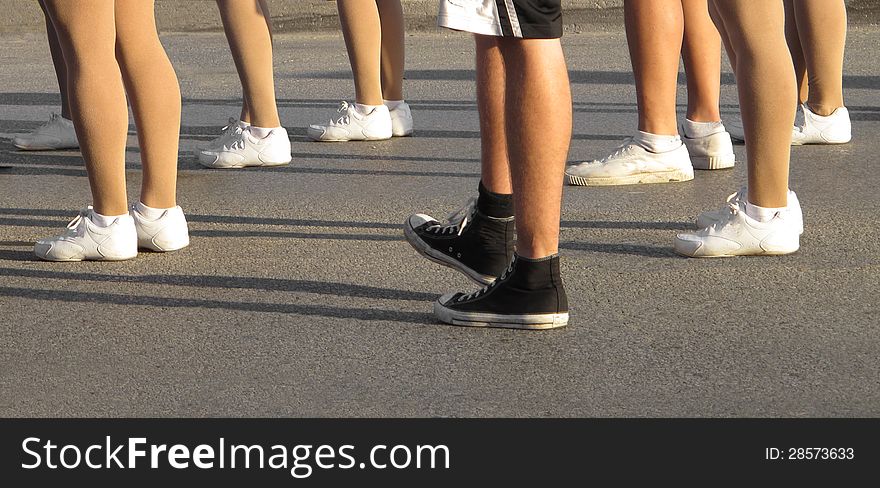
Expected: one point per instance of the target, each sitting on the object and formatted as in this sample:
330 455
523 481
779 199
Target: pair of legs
816 35
658 34
524 103
374 37
111 48
248 31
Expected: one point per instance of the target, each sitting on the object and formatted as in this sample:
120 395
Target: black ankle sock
494 204
540 274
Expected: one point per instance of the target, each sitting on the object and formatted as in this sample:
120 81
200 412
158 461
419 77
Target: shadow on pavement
166 302
230 282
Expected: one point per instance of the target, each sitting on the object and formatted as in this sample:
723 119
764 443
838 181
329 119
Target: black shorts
525 19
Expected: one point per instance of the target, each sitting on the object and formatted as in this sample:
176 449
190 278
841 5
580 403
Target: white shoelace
236 139
74 227
485 289
344 110
620 150
457 221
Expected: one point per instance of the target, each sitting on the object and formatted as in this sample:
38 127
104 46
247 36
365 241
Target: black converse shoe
528 295
471 242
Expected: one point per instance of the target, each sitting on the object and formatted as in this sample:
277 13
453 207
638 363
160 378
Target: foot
401 120
714 151
737 234
84 240
351 125
630 164
57 133
528 295
225 134
473 243
167 233
811 128
243 149
710 217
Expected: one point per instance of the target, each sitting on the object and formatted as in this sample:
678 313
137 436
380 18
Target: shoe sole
713 162
352 140
43 258
824 143
765 253
244 165
673 176
511 321
429 253
45 148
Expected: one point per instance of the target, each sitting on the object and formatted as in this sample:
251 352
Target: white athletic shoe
225 134
737 234
243 149
810 128
710 217
629 164
351 125
401 120
714 151
57 133
167 233
86 241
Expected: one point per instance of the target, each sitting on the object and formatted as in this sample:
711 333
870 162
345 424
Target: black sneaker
528 295
479 246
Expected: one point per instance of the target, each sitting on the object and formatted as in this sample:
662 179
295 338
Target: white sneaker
737 234
629 164
354 126
226 133
86 241
167 233
710 217
714 151
57 133
243 149
401 120
810 128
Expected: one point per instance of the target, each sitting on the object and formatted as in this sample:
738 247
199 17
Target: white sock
261 132
149 212
103 220
393 104
243 124
656 143
693 130
365 109
763 214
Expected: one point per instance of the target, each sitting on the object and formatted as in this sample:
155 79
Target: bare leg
86 30
361 27
755 35
821 27
654 32
58 61
247 27
490 102
393 50
154 93
797 54
701 51
538 119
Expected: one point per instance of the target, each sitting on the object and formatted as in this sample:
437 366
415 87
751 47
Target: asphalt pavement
299 296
